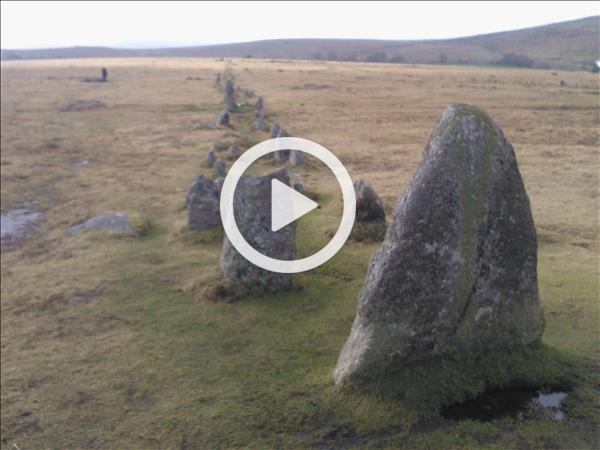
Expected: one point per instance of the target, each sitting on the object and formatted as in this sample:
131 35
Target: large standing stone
252 209
456 272
223 119
369 207
202 202
230 96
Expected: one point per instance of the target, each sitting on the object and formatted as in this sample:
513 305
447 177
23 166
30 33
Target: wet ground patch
520 403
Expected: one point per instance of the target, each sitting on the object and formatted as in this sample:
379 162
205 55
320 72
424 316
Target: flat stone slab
112 223
16 223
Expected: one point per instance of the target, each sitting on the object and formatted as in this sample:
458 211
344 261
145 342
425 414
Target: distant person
104 74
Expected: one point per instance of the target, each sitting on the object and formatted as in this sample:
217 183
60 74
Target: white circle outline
231 228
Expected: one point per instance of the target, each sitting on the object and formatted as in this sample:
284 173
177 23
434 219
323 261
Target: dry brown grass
144 149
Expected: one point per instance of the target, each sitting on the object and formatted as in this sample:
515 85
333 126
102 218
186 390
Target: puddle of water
15 223
519 403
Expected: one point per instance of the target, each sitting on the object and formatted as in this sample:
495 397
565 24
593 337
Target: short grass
146 361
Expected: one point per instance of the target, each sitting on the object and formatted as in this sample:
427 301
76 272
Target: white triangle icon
287 205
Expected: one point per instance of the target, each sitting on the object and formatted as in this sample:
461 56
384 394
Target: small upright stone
202 202
252 209
456 273
233 151
259 104
296 158
369 207
210 158
275 130
219 168
297 183
281 156
223 119
259 120
230 96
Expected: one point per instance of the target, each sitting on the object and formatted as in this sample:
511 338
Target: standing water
519 403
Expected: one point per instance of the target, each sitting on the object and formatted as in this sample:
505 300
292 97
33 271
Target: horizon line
180 46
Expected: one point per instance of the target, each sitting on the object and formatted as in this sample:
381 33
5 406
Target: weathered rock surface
233 151
296 158
202 202
281 156
16 223
369 207
230 96
275 129
456 272
259 123
111 222
252 209
298 183
259 105
219 168
210 157
223 119
219 183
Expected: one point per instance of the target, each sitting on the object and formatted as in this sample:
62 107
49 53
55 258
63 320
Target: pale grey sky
146 24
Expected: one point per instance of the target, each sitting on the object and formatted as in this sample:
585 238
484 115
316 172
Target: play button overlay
287 205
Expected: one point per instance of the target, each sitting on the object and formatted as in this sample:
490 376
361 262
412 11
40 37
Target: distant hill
572 45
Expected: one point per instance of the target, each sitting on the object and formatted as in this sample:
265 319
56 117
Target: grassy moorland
571 45
110 342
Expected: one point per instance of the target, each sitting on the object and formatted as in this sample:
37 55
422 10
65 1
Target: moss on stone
472 189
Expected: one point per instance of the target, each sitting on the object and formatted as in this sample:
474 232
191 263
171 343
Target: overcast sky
140 24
